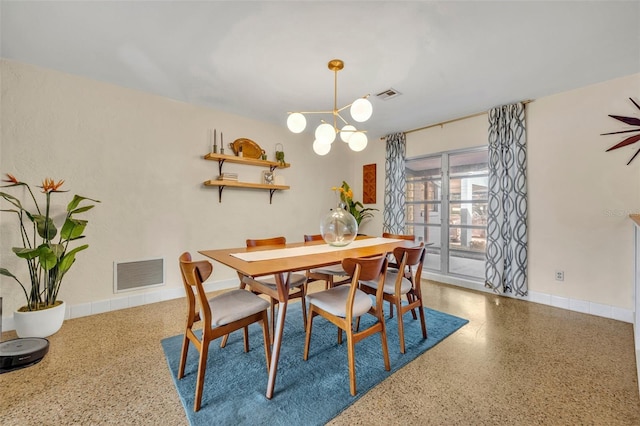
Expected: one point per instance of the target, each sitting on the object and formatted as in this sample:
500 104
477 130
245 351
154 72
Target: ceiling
262 59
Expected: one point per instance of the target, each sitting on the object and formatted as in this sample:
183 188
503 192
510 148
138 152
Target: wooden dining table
255 262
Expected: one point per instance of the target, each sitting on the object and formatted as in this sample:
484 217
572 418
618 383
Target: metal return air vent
388 94
137 275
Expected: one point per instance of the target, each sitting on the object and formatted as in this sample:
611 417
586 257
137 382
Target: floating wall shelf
221 184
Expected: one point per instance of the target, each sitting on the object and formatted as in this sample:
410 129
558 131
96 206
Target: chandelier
325 133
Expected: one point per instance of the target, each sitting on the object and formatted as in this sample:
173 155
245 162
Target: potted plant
48 253
356 208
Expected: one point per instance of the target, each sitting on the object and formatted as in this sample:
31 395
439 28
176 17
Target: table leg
282 281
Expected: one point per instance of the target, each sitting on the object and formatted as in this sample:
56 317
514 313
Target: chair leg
352 361
223 342
245 332
307 337
423 322
272 322
202 367
385 347
400 325
303 300
183 355
411 298
391 310
266 339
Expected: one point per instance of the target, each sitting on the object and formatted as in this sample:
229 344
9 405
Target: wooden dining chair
409 237
328 274
297 282
343 304
393 263
404 281
220 315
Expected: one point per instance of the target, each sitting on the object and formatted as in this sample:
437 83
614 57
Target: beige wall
141 155
579 195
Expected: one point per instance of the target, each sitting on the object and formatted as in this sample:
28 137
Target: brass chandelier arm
343 120
347 106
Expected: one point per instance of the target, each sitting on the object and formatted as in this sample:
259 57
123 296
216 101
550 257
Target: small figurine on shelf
280 154
263 154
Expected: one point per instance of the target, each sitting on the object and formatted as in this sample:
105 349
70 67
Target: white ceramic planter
42 323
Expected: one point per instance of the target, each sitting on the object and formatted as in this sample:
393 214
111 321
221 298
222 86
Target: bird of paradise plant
632 121
356 208
48 261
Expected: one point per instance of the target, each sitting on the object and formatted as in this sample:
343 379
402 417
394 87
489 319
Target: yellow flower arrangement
356 208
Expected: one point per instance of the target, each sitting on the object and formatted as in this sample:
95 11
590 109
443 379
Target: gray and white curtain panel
394 187
506 261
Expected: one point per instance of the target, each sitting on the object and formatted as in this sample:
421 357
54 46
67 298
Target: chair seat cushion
330 270
334 301
296 280
390 283
234 305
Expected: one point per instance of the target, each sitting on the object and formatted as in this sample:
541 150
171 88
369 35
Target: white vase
41 323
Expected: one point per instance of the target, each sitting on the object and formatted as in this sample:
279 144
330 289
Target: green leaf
57 249
13 200
6 273
48 259
72 228
26 253
46 229
77 199
81 209
69 258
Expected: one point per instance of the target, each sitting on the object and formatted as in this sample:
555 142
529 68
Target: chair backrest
412 258
193 275
275 241
365 269
314 237
399 236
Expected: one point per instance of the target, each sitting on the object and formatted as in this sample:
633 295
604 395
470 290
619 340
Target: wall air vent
388 94
138 274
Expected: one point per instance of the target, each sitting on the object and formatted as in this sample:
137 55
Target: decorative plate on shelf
247 148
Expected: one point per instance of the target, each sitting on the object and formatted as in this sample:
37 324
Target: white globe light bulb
296 122
321 148
325 133
358 141
346 132
361 110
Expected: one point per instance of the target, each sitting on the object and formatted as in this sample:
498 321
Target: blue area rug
307 392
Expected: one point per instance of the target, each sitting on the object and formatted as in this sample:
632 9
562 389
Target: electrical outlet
559 275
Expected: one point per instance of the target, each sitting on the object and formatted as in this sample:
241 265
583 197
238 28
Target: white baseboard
122 302
576 305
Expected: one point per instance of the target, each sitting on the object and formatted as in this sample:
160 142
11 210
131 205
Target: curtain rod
456 119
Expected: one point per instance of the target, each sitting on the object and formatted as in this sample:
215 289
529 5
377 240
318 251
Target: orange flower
10 179
49 185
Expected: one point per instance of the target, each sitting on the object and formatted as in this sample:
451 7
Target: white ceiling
262 59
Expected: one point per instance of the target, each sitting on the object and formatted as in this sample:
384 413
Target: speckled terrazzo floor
515 363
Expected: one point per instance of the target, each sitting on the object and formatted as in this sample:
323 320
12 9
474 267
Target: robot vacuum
22 352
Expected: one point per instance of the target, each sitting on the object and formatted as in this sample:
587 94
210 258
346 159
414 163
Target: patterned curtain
394 187
506 262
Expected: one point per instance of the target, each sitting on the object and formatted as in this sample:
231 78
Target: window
446 206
